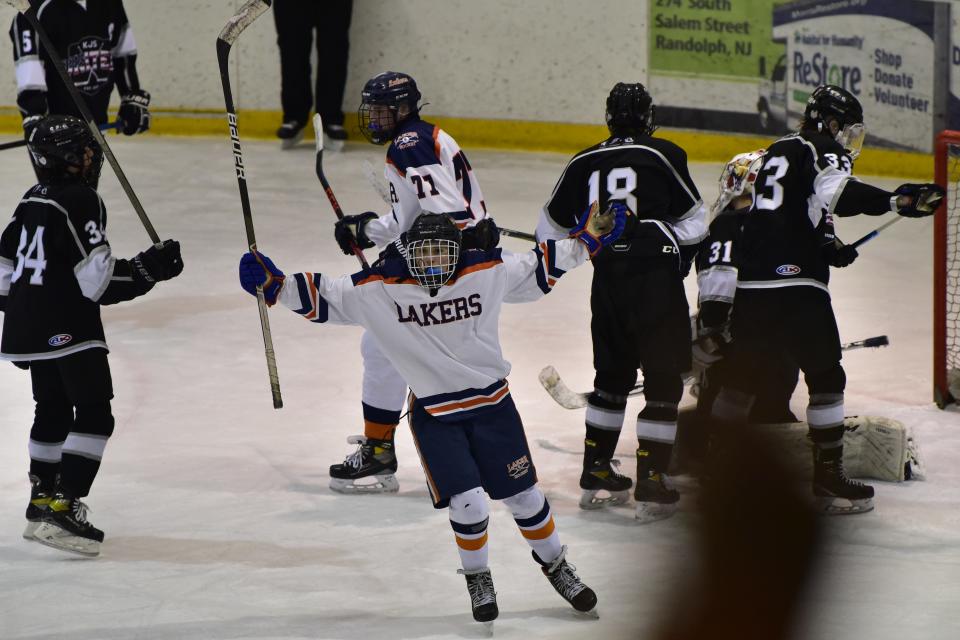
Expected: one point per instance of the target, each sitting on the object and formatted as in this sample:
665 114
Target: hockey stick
873 234
107 126
318 130
385 196
248 13
569 399
30 13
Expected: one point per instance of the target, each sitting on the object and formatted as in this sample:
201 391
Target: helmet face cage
738 178
630 110
382 97
432 261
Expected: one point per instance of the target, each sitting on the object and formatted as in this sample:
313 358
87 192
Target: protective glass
432 261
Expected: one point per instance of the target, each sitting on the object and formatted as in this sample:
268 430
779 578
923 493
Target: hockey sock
52 421
83 448
469 516
599 444
531 511
604 420
45 461
656 433
825 419
379 424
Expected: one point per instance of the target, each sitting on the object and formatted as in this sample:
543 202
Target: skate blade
488 628
290 143
53 536
30 530
592 614
653 511
332 145
381 484
590 501
834 506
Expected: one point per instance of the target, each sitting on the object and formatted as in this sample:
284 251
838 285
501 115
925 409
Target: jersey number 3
770 191
33 258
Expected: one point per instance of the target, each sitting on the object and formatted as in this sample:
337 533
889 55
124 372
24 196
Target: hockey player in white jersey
434 310
427 171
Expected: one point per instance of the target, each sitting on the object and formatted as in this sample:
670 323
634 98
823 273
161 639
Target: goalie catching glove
256 270
918 200
348 231
597 230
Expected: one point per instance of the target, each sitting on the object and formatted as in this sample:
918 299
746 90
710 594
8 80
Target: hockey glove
348 231
134 116
923 199
597 230
484 235
712 334
159 263
256 270
840 255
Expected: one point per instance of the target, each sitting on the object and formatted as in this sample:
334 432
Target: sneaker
64 526
656 498
40 495
563 576
603 474
370 469
483 598
290 133
834 492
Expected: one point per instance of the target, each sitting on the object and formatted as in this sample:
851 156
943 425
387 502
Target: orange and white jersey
446 346
427 172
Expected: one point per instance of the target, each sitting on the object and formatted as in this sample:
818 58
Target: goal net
946 273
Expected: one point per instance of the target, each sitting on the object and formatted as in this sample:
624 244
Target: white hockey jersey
447 347
428 172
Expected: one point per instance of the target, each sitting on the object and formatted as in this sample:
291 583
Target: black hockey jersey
718 258
796 192
56 269
650 176
89 37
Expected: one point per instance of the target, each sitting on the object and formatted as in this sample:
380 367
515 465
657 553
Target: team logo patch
788 270
60 339
407 140
519 468
89 64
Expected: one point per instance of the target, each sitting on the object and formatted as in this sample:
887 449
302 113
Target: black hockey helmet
58 146
630 110
431 247
832 103
388 99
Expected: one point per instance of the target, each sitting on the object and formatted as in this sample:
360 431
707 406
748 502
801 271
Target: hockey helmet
630 110
738 177
431 247
58 148
832 103
388 99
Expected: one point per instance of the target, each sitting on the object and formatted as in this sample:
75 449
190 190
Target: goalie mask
829 103
63 149
737 178
388 99
431 247
630 110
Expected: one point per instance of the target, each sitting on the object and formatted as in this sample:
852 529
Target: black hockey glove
159 263
349 230
134 116
711 343
838 254
484 235
924 199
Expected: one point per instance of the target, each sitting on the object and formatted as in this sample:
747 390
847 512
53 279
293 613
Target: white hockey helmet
738 177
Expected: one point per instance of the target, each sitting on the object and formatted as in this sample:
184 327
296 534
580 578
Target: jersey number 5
770 191
32 259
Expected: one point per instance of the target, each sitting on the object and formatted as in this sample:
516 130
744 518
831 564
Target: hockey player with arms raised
434 309
427 171
639 306
56 270
782 300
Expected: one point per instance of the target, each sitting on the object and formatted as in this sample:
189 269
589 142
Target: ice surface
218 518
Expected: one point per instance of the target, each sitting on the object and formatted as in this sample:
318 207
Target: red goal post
946 273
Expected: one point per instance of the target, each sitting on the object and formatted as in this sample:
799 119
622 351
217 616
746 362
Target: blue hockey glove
597 230
258 269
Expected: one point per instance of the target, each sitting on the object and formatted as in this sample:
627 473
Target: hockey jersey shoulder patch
416 146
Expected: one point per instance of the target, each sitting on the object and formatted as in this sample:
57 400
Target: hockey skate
370 469
483 598
334 136
64 526
563 576
290 133
39 501
656 498
835 494
602 474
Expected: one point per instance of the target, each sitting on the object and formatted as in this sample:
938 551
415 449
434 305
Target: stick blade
249 12
558 390
318 131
